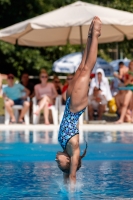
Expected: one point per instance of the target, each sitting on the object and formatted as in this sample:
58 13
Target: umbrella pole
81 39
117 51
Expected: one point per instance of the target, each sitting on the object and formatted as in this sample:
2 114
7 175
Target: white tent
70 63
115 63
70 24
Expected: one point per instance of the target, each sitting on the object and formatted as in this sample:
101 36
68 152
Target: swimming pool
28 170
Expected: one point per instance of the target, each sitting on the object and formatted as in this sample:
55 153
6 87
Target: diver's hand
72 182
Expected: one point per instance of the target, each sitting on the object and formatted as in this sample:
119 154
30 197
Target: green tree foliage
17 58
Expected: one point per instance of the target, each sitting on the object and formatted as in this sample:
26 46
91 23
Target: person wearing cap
13 94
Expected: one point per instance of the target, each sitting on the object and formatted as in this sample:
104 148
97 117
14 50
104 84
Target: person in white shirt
102 83
97 102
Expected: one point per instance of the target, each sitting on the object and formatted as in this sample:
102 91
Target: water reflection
51 137
45 137
97 180
27 169
109 137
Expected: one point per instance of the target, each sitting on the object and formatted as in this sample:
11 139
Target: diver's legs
79 96
86 52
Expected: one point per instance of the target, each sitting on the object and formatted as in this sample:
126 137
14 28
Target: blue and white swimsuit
68 126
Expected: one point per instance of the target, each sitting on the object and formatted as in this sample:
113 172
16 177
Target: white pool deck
86 127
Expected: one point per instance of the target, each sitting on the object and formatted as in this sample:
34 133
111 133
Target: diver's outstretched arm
74 161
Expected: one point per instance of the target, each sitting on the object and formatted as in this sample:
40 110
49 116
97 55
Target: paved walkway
86 127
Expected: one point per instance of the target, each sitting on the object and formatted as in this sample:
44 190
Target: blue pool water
28 170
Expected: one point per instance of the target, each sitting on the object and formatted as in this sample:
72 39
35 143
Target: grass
1 106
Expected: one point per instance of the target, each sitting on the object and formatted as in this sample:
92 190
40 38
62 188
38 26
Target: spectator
13 96
128 77
101 82
122 71
97 102
45 93
115 83
58 85
28 84
128 82
64 89
120 103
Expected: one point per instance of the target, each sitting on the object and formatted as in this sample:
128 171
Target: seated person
115 83
58 85
64 89
102 83
128 95
122 71
120 103
45 93
97 102
13 96
27 83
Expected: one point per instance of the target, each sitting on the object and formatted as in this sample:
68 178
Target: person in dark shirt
2 77
64 89
58 85
27 83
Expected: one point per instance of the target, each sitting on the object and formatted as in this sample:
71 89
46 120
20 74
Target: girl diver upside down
69 161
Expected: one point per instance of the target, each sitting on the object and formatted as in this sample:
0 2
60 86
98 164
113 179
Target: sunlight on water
28 170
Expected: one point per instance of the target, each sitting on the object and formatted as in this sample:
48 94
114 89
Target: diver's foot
96 27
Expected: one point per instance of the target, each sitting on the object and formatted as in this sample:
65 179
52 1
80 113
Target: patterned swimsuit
68 127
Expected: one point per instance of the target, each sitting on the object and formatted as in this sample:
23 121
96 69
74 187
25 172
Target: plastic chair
61 109
16 108
53 108
83 117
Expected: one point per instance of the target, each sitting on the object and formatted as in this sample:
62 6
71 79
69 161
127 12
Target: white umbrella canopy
70 24
70 63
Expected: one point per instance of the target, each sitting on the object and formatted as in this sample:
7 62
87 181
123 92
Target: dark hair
55 77
24 72
70 74
121 63
79 163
